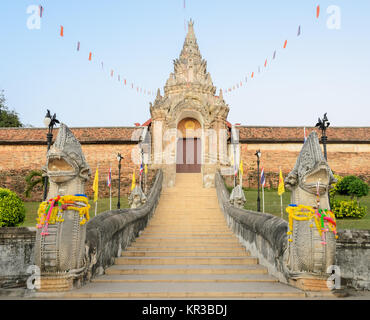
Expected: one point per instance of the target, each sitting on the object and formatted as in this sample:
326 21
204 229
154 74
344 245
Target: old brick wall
24 150
343 159
17 161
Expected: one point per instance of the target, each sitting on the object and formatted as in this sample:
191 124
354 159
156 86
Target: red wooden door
188 156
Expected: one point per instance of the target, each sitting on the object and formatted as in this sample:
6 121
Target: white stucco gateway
188 125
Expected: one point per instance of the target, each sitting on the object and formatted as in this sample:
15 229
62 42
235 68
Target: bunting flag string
299 32
91 57
41 10
152 92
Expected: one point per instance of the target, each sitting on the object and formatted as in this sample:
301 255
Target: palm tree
33 179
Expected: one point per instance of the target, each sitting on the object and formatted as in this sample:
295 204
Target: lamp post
142 170
50 122
119 158
234 143
258 154
323 125
145 153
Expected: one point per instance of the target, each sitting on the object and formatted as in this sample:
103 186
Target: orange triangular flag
285 43
317 11
90 56
265 63
252 74
61 31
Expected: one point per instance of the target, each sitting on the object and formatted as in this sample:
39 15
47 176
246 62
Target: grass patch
103 205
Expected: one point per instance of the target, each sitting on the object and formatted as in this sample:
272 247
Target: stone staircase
187 251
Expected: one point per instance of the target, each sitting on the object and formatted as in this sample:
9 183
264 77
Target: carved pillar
157 142
60 237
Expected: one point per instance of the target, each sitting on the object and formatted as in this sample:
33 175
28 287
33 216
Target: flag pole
96 191
263 199
281 205
281 201
110 197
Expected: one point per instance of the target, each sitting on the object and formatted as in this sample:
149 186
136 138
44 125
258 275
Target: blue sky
323 70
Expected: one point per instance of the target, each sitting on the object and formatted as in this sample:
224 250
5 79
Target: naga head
137 198
66 165
311 174
237 197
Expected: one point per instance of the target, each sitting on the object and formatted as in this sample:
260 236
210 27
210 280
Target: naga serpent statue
310 250
61 229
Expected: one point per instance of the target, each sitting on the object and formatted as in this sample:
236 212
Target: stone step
209 290
187 237
186 278
187 226
185 269
185 234
164 242
197 247
173 218
183 253
202 222
212 261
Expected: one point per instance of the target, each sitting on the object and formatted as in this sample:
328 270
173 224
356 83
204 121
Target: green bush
334 190
348 209
12 210
358 188
352 186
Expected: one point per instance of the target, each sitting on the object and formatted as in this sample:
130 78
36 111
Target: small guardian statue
237 197
137 198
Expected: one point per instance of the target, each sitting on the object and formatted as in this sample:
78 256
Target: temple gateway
188 126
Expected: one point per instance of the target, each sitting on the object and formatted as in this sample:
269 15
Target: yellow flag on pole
146 169
241 167
133 181
96 185
281 188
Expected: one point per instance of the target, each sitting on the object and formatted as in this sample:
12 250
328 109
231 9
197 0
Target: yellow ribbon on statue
65 200
306 213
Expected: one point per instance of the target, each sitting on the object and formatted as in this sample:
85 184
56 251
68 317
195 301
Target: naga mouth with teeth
60 170
316 181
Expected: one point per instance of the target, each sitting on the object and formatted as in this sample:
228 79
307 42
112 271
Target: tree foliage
8 118
33 179
352 186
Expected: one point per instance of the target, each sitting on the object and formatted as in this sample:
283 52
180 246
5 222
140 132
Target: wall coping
248 134
17 233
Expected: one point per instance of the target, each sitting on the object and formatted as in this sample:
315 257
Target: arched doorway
189 147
